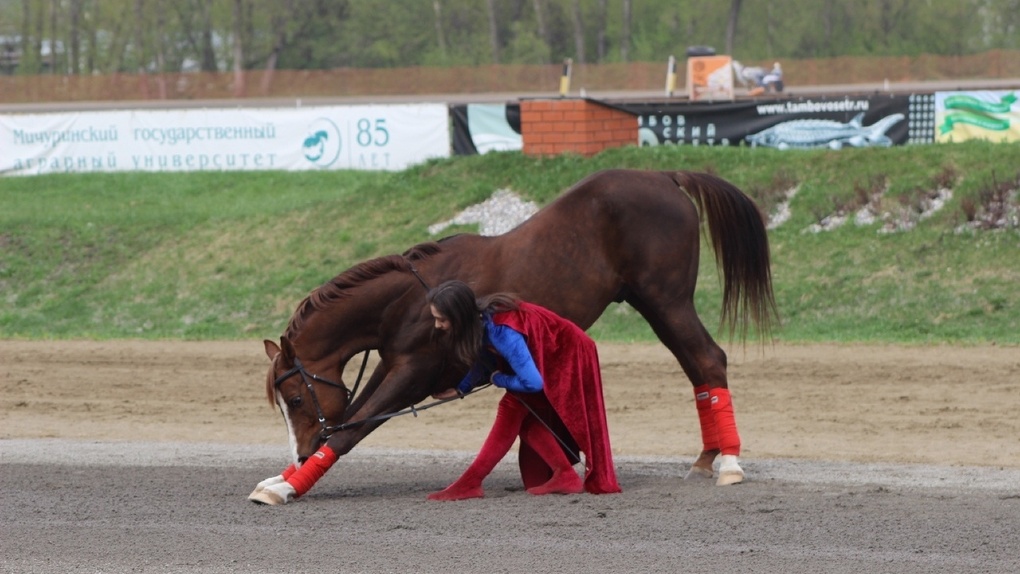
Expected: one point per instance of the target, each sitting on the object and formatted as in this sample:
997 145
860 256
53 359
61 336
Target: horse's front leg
391 394
295 480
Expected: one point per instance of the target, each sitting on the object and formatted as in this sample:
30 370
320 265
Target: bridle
307 378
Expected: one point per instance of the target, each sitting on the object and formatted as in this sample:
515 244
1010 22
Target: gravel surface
71 506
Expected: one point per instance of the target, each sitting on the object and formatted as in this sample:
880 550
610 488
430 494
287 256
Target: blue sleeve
514 348
471 379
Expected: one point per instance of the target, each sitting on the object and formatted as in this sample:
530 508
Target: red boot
564 479
509 416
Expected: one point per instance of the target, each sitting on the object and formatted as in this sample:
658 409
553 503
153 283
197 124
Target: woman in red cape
550 370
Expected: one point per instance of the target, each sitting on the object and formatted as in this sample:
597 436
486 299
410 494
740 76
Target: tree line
154 36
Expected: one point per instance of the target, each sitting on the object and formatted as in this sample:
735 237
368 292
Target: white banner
336 137
977 115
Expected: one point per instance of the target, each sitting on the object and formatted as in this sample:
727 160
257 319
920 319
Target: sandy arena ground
939 405
131 456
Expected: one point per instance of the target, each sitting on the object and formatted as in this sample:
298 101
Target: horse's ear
288 349
272 350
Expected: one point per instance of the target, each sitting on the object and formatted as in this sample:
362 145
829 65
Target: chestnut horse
617 235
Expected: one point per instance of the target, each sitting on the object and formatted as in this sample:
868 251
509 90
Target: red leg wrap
725 423
312 470
709 436
288 472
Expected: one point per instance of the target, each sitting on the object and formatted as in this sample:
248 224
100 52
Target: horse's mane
423 250
338 287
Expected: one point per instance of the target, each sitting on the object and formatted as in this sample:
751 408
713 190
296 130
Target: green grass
229 255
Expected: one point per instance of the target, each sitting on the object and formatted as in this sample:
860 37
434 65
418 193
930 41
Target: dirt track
940 405
135 456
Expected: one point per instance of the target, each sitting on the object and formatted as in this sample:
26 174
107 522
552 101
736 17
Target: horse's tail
741 244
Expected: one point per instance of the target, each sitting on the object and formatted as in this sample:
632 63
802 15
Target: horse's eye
294 402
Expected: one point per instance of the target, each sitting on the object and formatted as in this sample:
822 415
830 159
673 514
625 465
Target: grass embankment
229 255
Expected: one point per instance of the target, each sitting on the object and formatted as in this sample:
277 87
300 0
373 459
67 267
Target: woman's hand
447 394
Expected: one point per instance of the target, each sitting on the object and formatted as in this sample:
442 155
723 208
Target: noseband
307 378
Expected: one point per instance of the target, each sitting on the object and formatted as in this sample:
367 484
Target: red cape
571 404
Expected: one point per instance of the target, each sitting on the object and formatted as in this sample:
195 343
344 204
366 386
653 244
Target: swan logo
322 143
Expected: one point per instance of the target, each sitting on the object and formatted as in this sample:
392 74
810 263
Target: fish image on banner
818 133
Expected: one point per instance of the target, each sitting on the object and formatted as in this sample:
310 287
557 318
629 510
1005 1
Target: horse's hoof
267 483
728 478
274 495
262 486
699 473
266 497
729 471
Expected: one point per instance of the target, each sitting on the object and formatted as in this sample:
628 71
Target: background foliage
230 255
109 36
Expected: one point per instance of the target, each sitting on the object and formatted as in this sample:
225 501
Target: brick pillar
574 125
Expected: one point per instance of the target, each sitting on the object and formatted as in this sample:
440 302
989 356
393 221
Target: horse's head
379 305
312 397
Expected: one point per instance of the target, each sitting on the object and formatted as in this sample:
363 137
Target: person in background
550 370
773 81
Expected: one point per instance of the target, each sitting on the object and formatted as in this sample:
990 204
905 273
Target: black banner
782 123
789 123
479 128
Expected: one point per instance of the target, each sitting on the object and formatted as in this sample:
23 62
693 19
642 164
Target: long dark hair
456 301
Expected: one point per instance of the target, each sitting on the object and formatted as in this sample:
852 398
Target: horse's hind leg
704 362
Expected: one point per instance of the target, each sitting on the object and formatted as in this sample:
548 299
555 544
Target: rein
411 410
556 435
357 383
327 431
417 275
